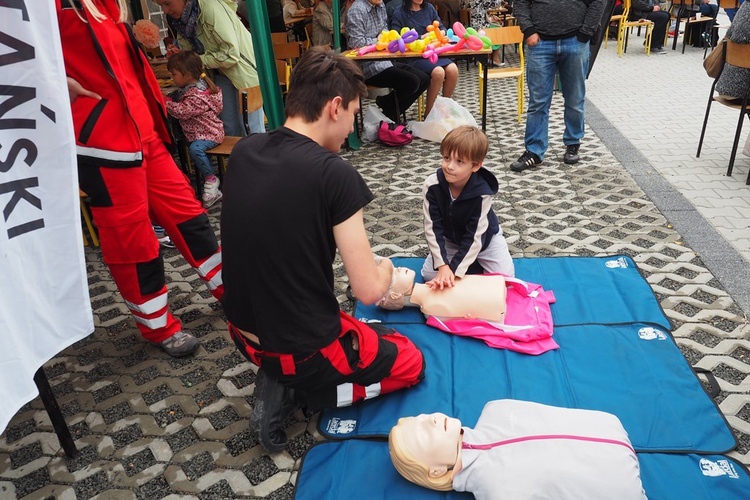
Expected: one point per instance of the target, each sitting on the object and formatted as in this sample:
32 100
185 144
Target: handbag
715 60
394 134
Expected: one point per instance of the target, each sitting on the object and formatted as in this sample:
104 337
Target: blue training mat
589 290
634 371
362 469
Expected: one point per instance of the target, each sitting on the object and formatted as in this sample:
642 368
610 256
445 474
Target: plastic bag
371 123
445 115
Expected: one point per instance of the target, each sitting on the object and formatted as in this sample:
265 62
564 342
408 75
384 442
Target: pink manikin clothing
528 321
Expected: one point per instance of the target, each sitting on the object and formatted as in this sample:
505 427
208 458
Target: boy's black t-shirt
283 193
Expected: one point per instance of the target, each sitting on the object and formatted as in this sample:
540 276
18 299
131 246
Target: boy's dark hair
319 76
189 63
465 142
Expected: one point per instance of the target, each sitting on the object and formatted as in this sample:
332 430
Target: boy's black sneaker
273 404
571 154
526 160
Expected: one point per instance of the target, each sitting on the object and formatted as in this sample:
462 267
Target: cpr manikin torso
506 313
519 450
473 296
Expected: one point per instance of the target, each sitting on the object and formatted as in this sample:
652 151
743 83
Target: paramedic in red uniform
291 201
124 166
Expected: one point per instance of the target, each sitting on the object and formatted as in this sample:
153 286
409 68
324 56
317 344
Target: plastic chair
625 24
505 36
736 54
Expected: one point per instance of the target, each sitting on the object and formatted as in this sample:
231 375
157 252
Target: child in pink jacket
197 105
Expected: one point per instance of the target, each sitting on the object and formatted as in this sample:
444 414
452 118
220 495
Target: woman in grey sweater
734 81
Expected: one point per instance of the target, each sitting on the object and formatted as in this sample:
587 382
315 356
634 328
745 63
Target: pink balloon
459 29
474 43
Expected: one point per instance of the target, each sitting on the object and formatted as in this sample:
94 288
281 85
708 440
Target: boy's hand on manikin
444 279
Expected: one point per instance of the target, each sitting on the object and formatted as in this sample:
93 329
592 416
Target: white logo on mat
648 333
618 262
718 468
338 426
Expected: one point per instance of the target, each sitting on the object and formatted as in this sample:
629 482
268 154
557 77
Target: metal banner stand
55 415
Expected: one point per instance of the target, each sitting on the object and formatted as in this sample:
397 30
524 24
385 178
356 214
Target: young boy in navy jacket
459 223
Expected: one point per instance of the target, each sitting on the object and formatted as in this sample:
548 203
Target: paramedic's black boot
273 404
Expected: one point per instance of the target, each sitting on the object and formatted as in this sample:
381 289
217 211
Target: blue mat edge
327 442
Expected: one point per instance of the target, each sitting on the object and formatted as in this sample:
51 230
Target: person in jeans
197 104
557 35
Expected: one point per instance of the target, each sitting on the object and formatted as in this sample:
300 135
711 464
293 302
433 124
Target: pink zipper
488 446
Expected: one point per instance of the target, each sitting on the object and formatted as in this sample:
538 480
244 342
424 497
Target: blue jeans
732 12
197 150
231 115
569 58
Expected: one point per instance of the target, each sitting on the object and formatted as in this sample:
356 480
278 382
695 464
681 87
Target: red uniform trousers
124 201
338 375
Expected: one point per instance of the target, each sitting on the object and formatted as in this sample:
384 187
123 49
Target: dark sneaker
273 404
659 50
527 160
179 345
571 154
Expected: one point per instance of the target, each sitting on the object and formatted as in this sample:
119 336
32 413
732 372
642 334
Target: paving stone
127 435
138 462
116 412
106 392
260 469
182 439
24 455
86 456
146 375
19 430
153 489
218 491
196 467
241 442
223 418
157 394
31 482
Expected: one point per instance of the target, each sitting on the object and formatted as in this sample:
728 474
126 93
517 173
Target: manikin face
458 170
403 280
172 8
433 440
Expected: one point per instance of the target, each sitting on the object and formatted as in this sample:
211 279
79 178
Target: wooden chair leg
89 224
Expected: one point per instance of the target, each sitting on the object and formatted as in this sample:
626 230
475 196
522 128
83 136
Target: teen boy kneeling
289 204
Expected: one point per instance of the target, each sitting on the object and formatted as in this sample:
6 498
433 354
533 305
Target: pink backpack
394 134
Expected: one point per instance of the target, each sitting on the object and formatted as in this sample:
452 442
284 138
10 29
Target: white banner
44 301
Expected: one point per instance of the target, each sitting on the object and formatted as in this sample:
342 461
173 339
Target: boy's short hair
319 76
465 142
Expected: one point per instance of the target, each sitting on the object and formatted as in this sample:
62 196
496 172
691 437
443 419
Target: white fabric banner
44 301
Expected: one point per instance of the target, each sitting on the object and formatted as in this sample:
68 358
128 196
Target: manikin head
402 283
426 449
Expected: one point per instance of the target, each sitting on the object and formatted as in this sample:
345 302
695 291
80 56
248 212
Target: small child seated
197 105
459 223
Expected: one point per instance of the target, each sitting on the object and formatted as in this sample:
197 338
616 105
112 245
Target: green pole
336 24
257 16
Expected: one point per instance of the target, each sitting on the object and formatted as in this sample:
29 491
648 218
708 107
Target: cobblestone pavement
148 426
